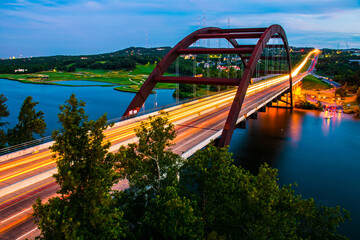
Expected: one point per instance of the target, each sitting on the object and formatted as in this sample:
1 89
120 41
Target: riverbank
124 80
99 100
315 91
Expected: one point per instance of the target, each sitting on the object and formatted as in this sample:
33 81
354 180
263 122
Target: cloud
92 26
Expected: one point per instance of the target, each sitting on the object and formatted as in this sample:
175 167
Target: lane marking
27 182
26 171
26 234
16 214
15 223
28 193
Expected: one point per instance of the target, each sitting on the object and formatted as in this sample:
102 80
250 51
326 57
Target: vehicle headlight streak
120 134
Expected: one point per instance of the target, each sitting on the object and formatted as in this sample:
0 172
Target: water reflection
321 155
263 140
332 120
326 126
296 126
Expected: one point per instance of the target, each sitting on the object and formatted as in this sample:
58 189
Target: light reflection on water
321 155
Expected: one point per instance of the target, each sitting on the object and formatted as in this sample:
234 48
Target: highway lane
205 121
39 162
212 121
23 167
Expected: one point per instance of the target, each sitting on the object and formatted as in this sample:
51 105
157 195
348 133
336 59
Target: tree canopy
30 122
203 197
236 204
214 199
86 172
3 113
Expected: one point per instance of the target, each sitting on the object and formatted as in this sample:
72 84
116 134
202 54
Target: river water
99 100
321 156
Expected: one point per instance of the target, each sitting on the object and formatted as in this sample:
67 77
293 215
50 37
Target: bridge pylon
250 56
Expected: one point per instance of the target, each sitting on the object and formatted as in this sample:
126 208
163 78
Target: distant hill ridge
123 59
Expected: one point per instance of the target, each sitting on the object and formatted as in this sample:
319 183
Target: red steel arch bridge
266 76
250 56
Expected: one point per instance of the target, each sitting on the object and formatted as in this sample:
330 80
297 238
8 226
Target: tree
86 172
149 164
236 204
170 216
30 123
152 205
341 92
3 113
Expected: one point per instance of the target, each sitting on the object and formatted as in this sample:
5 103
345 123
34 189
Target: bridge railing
25 145
264 100
47 139
156 109
36 142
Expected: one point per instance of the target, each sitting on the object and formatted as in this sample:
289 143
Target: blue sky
51 27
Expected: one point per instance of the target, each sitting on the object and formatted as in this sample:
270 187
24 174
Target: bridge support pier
254 115
262 109
242 124
288 104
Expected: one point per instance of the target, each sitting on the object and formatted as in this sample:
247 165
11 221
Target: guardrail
47 139
25 145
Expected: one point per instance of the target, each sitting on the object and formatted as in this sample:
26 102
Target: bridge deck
23 178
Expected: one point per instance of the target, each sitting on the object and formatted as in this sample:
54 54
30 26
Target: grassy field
130 80
312 83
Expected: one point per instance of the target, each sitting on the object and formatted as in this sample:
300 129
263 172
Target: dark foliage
31 122
123 59
3 113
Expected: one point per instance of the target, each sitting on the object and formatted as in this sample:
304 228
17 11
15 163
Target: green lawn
131 79
312 83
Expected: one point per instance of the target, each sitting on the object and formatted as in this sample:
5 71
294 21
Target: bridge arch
262 34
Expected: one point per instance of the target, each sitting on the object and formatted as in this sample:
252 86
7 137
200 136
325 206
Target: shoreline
115 86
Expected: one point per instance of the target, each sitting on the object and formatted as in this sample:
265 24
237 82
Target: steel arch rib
170 57
230 123
165 63
161 67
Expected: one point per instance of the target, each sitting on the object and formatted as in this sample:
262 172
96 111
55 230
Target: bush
342 92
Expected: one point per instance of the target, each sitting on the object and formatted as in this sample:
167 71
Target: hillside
122 59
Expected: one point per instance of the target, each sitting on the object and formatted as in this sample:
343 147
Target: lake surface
322 156
84 83
99 100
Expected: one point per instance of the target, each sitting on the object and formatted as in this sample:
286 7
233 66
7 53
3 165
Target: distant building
354 61
20 70
190 56
225 67
221 67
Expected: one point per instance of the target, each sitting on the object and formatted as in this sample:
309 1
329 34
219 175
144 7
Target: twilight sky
51 27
